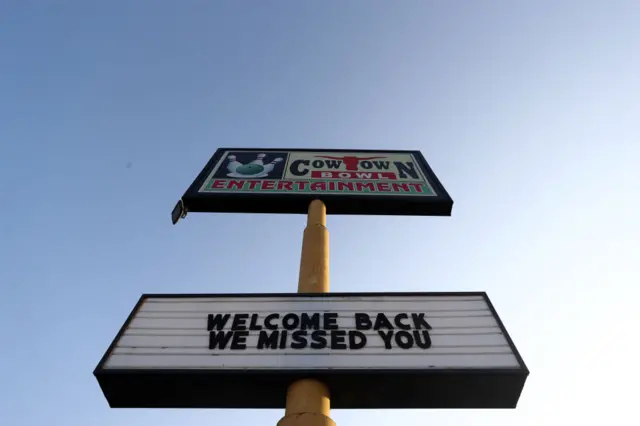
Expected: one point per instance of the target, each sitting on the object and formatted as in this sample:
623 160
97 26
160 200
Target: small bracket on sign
179 212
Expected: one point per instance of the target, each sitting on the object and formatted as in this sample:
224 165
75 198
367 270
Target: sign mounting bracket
178 212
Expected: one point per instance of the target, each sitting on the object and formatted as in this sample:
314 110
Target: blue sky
527 111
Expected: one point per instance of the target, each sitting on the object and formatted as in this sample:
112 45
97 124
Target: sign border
351 389
439 204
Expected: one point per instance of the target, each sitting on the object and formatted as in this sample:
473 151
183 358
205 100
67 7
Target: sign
373 350
286 181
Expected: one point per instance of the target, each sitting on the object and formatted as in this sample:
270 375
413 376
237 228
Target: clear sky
527 111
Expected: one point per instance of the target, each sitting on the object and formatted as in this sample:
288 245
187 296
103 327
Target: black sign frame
439 204
490 388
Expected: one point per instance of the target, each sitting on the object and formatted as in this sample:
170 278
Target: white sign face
325 172
329 332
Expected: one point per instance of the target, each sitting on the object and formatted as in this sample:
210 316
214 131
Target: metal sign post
308 400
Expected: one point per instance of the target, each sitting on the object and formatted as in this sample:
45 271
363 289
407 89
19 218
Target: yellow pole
308 400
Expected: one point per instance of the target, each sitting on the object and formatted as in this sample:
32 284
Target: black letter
319 339
219 339
337 339
308 322
268 341
254 323
418 320
267 321
290 321
239 341
218 322
294 168
363 322
397 319
427 339
406 169
283 339
387 338
408 344
382 322
299 339
330 321
239 322
353 339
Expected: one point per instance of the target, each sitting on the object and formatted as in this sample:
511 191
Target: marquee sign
373 350
285 181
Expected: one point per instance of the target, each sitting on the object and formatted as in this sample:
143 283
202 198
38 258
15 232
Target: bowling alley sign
285 181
